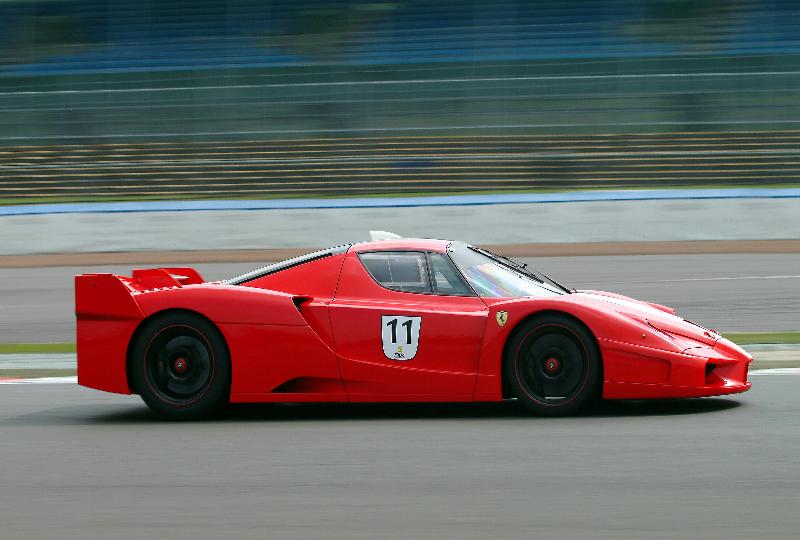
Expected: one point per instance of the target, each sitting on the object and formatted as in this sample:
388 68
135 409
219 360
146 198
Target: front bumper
637 372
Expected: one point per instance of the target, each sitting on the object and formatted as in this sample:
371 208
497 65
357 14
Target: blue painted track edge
400 202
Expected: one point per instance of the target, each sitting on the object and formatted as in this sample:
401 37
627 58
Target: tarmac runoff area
88 465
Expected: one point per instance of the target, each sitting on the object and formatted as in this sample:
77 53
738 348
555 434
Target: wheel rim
179 364
552 365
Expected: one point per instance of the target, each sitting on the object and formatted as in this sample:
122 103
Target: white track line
42 380
776 371
733 278
684 280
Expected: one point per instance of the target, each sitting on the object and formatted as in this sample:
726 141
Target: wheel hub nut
180 365
552 365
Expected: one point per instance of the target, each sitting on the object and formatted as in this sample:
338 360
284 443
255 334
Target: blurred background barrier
607 221
109 100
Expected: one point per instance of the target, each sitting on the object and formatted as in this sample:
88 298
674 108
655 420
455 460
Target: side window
445 278
405 271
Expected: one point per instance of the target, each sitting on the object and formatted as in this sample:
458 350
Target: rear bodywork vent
298 302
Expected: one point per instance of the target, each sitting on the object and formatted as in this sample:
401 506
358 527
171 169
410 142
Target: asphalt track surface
77 463
728 292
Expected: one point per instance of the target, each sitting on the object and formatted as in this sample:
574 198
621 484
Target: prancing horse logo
502 317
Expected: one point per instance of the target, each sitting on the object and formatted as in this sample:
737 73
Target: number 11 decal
400 336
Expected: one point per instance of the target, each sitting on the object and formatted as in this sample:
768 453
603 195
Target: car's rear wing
107 315
98 295
154 278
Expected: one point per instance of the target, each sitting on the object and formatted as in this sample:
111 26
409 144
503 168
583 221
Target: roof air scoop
375 236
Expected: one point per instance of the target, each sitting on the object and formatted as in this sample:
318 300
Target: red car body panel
311 332
453 330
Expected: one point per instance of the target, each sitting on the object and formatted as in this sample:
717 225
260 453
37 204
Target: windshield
492 277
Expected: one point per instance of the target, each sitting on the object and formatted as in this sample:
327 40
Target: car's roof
402 244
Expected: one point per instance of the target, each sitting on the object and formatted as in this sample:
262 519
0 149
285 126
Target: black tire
553 365
180 365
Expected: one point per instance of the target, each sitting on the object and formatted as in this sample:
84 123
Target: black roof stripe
288 263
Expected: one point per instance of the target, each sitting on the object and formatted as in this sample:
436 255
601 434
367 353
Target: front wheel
553 365
180 366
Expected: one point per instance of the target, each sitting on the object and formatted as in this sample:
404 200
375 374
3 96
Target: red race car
388 320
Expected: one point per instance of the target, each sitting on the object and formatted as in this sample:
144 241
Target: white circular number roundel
400 336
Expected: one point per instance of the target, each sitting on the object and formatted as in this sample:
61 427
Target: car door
406 326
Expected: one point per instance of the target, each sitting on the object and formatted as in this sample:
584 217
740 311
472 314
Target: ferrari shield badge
400 336
502 318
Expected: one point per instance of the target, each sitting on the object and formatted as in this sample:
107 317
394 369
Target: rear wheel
180 366
553 366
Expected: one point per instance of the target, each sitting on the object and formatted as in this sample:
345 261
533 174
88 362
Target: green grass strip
36 348
35 373
750 338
